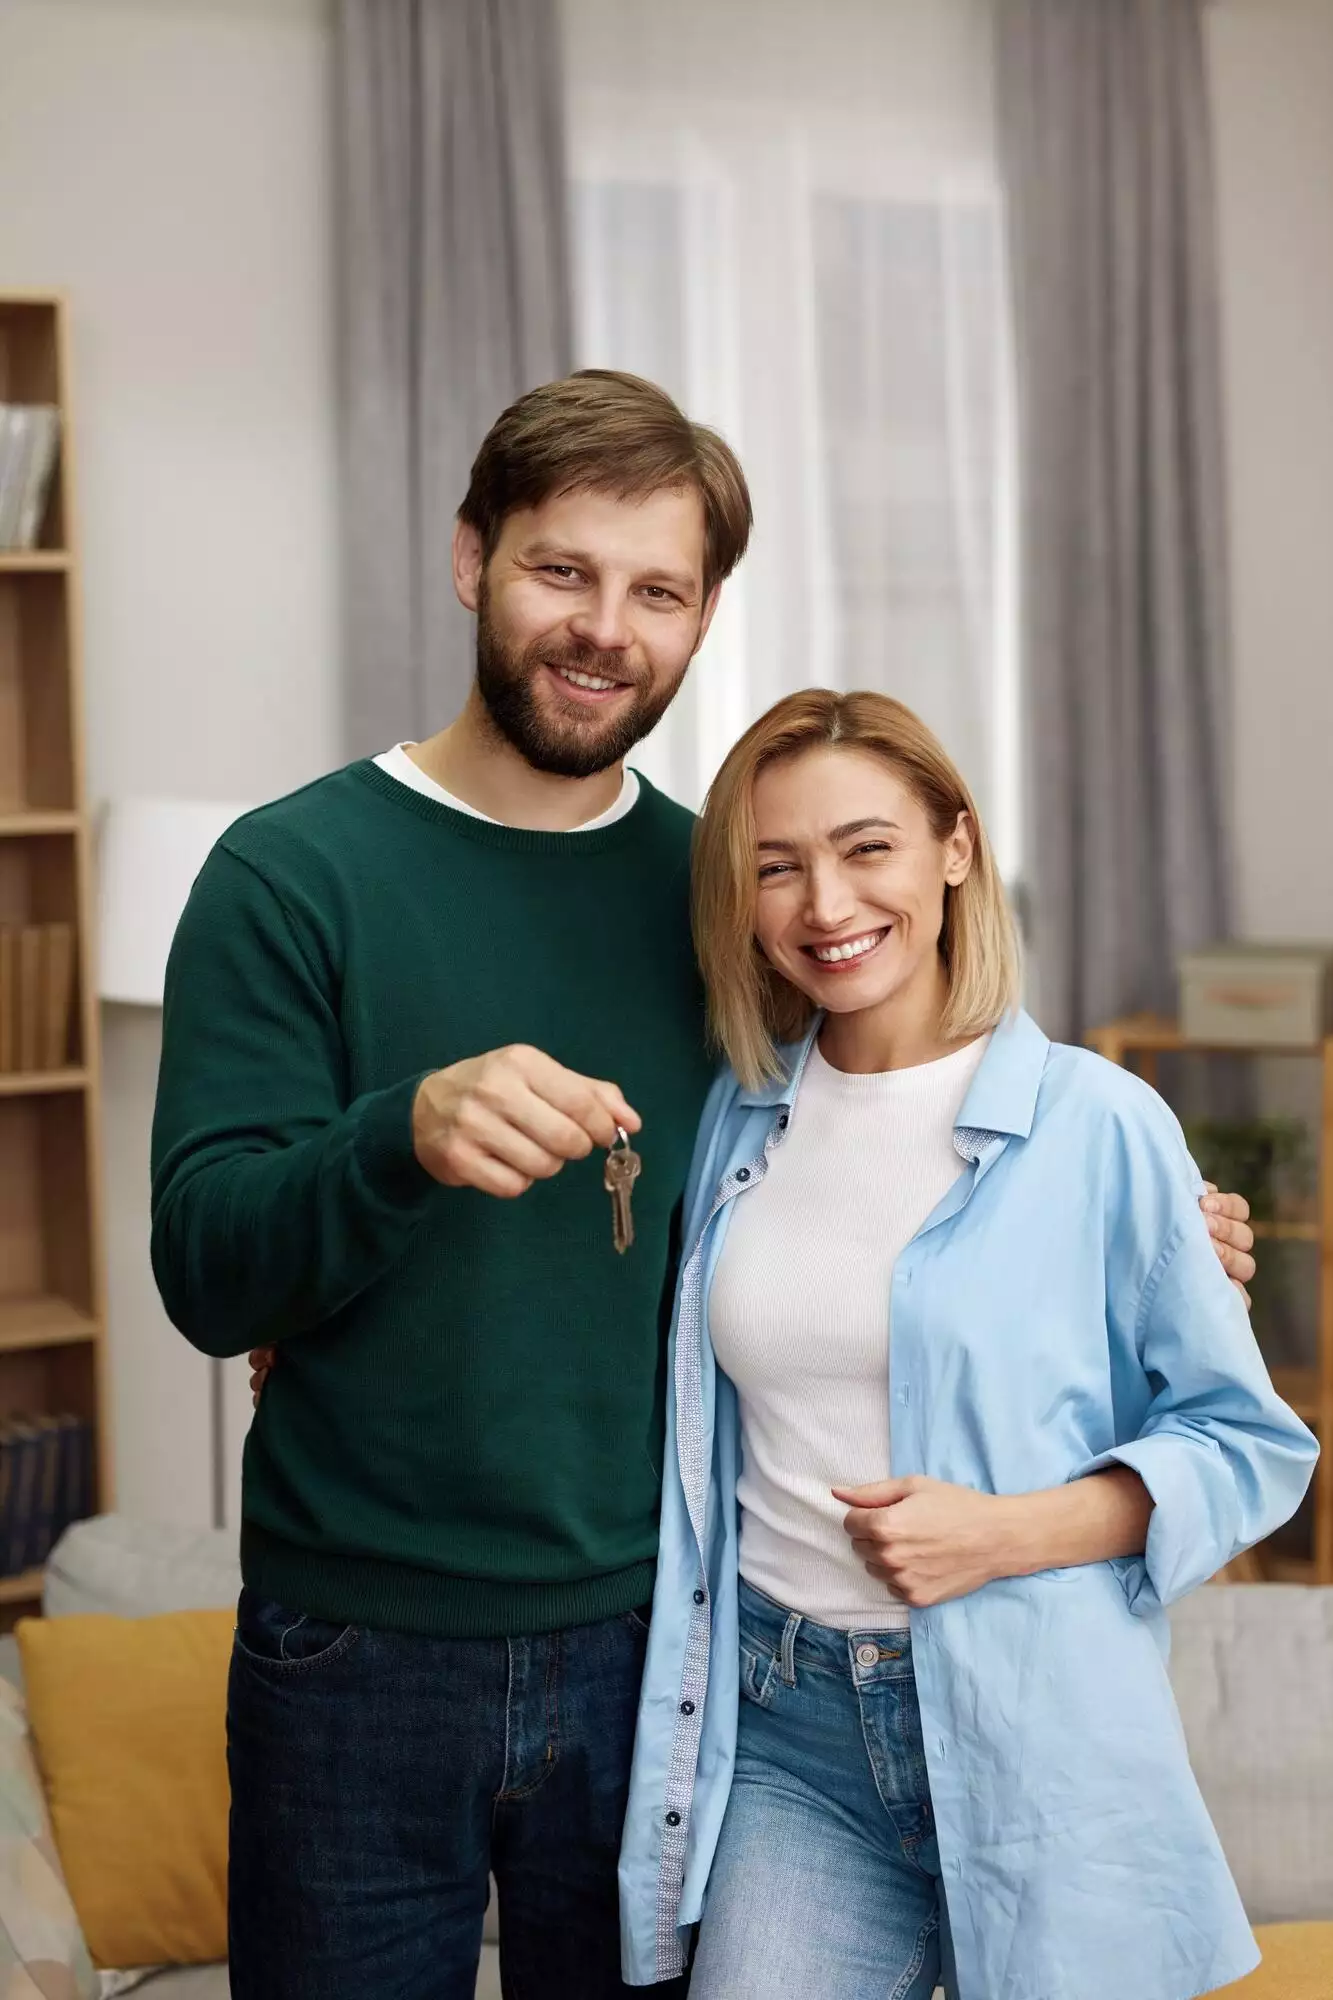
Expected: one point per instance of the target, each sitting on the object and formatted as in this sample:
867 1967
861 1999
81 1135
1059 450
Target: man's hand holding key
501 1121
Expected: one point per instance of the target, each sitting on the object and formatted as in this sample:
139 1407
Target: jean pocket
637 1620
277 1640
759 1673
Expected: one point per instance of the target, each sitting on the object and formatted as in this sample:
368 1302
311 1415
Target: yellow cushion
1298 1964
128 1716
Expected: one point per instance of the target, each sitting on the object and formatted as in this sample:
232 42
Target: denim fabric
827 1874
377 1780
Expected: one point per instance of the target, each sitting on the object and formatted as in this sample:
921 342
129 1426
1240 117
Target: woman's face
850 900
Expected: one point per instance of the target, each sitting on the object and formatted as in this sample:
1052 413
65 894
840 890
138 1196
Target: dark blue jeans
377 1781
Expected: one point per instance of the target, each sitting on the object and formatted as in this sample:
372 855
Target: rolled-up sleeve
1224 1459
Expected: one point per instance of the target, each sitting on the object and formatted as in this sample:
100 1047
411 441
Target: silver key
623 1167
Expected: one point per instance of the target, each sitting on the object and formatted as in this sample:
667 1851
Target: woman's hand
930 1541
927 1540
261 1360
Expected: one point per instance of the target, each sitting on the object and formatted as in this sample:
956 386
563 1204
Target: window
814 263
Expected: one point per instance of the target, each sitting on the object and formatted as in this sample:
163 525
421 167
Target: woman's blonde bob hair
751 1007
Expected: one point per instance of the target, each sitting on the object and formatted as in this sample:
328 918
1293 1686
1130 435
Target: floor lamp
149 852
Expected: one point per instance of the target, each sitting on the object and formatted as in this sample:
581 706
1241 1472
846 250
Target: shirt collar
1002 1098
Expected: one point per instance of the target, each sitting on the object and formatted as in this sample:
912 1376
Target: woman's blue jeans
827 1876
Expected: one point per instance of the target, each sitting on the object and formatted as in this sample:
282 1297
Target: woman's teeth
592 681
854 948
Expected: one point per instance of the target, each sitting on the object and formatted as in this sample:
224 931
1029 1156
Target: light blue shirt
1061 1309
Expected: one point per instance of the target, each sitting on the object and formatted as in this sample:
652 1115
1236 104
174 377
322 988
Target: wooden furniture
52 1298
1138 1042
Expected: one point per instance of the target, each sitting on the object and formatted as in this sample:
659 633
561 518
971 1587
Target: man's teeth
828 953
585 680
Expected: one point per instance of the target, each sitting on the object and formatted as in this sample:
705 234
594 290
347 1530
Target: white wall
1271 64
167 163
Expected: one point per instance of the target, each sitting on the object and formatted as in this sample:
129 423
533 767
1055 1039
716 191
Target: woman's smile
847 954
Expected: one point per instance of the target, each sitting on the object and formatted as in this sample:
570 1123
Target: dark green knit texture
462 1436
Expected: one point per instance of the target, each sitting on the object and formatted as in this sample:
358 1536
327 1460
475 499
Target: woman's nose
830 902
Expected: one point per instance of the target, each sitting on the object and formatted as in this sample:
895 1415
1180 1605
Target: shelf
18 825
1287 1569
1300 1388
42 1321
1155 1034
24 1589
1286 1232
52 1275
41 1082
33 562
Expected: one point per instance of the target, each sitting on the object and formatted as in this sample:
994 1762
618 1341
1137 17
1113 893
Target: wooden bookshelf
52 1283
1138 1042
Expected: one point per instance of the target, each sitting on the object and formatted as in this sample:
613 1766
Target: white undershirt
399 765
799 1316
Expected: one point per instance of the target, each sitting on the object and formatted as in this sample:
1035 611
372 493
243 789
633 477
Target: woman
937 1270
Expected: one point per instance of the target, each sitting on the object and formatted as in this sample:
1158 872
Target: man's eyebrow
555 552
845 832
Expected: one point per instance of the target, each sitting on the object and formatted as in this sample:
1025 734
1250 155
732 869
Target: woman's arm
929 1541
1218 1462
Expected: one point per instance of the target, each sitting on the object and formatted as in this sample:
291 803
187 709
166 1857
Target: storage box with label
1277 996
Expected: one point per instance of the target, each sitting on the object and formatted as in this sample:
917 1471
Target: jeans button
867 1656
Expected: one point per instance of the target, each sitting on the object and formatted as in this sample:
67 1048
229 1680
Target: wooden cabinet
52 1299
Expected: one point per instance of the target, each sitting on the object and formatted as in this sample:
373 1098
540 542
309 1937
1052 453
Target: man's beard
573 745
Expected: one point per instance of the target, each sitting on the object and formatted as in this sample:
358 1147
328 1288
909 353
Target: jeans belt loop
788 1656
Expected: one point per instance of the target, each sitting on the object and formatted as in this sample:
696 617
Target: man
402 999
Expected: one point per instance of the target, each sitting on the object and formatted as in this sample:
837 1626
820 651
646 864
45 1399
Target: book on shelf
29 446
57 993
30 996
36 996
46 1482
9 1001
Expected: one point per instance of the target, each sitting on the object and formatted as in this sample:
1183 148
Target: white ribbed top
799 1315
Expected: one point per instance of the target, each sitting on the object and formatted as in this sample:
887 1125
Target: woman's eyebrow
835 833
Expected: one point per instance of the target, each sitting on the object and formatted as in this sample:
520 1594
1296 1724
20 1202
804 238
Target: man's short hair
605 432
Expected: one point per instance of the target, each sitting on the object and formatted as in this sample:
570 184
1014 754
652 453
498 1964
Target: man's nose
602 620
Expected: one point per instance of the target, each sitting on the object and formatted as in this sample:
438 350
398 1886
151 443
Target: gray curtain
1105 145
454 299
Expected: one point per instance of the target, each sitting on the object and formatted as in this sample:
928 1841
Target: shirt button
687 1708
742 1173
701 1596
673 1819
867 1656
782 1122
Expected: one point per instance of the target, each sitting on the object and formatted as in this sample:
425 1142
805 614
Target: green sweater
463 1434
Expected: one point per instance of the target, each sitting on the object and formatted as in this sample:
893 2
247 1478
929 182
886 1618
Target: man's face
588 613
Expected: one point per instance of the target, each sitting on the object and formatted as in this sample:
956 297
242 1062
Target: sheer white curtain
789 216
